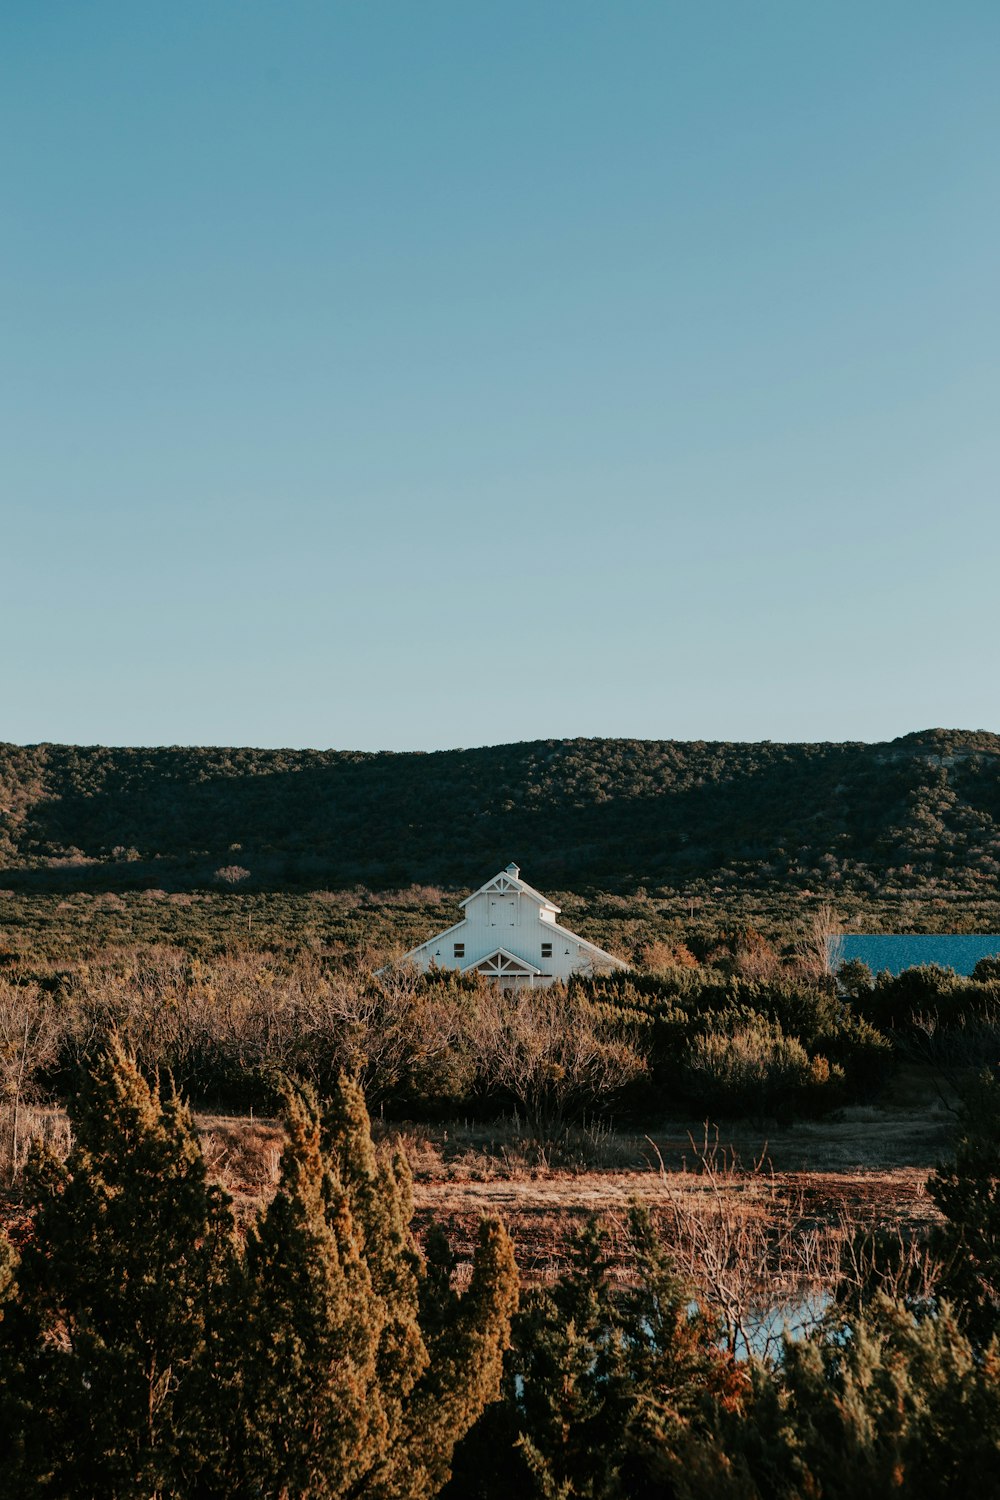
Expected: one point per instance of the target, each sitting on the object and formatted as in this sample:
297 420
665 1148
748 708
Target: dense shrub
688 1015
933 1014
751 1067
873 1404
967 1191
607 1390
228 1027
896 999
615 1393
144 1350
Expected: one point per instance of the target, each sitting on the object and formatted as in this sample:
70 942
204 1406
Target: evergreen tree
141 1356
361 1368
14 1407
607 1392
875 1405
308 1393
968 1194
680 1378
571 1398
8 1261
466 1337
109 1330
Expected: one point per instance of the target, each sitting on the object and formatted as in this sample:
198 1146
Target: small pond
765 1327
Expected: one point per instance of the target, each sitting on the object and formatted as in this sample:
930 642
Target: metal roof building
898 951
510 933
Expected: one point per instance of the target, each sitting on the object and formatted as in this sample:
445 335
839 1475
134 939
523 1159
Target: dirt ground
863 1165
544 1210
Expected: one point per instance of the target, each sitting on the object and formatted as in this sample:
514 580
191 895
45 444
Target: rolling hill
922 810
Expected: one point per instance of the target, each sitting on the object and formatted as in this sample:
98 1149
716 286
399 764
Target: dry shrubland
228 1029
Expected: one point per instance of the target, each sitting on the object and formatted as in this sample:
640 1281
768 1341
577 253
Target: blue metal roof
960 951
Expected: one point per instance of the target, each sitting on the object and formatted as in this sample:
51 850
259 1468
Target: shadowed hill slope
607 814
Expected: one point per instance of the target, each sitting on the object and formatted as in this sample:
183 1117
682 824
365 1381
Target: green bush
753 1068
146 1350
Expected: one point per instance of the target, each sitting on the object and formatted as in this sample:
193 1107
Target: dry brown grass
242 1154
734 1226
505 1150
755 1244
568 1197
38 1124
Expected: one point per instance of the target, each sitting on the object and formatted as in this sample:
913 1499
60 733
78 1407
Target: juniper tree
142 1356
466 1337
607 1389
967 1191
882 1403
311 1418
679 1377
572 1401
361 1368
110 1325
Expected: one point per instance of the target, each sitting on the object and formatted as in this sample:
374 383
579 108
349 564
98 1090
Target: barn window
459 950
546 950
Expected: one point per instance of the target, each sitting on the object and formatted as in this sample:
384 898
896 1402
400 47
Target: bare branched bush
208 1022
819 952
550 1052
756 958
30 1034
748 1247
892 1261
226 1027
969 1041
388 1030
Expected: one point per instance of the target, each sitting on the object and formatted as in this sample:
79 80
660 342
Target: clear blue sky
409 375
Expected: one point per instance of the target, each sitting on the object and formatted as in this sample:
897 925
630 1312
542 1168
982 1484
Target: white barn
510 933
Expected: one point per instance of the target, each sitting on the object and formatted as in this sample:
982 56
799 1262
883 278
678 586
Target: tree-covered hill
923 810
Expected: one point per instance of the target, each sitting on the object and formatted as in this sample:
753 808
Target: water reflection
764 1329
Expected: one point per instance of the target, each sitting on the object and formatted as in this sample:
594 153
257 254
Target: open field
897 1141
767 1204
543 1214
765 1226
865 1165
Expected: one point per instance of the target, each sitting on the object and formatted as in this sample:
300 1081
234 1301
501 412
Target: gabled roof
510 880
502 958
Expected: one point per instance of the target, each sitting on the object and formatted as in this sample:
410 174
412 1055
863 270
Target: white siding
506 914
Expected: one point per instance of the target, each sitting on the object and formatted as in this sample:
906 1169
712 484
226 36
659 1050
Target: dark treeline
921 813
147 1350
